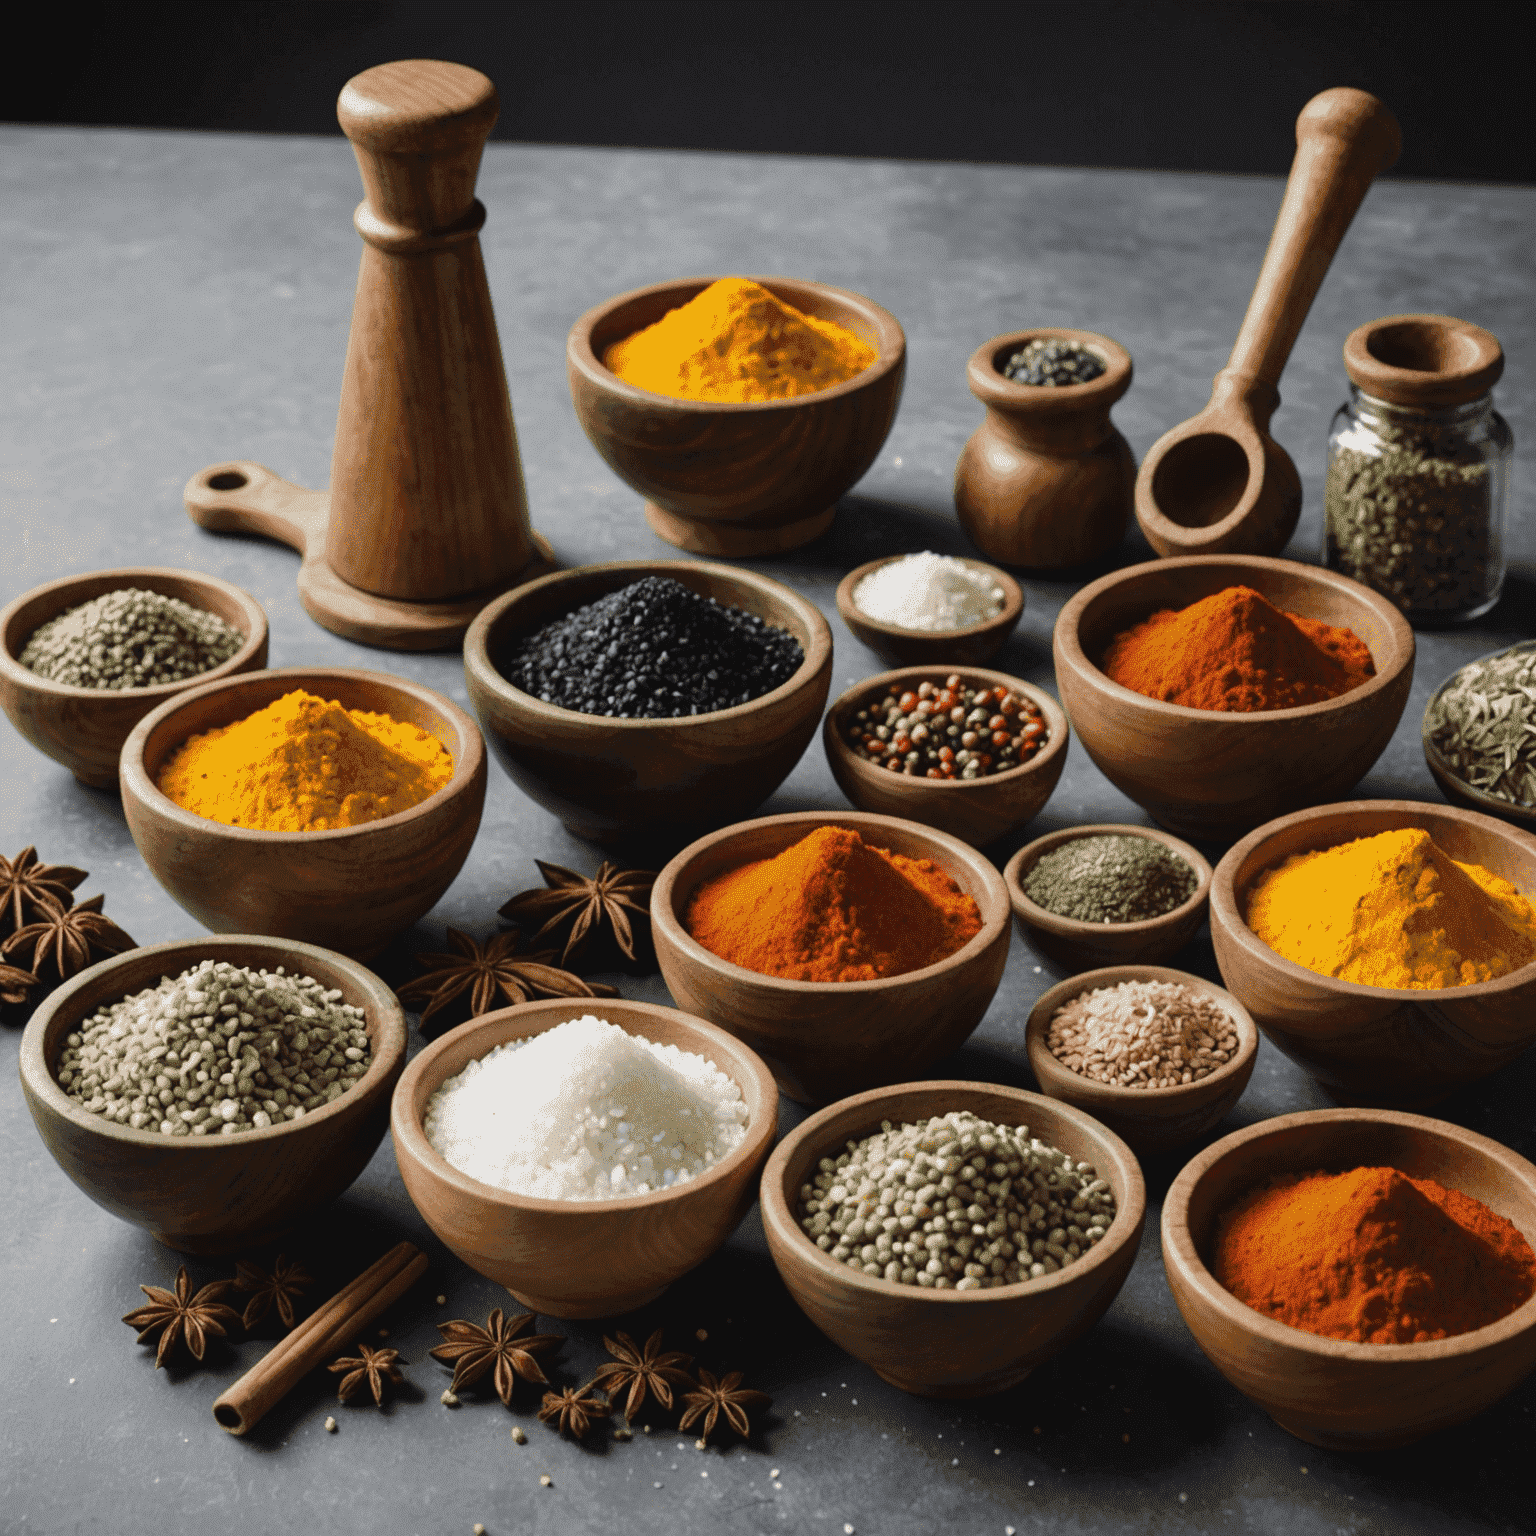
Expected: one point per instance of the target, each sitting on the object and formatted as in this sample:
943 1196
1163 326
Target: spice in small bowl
929 592
1055 362
1480 735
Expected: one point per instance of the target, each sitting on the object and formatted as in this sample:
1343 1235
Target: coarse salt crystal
929 592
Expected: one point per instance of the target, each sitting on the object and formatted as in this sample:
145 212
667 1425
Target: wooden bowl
1452 785
968 647
582 1258
214 1194
737 479
1330 1392
1149 1119
609 779
352 889
1081 946
823 1040
1212 774
951 1343
85 728
1386 1046
977 811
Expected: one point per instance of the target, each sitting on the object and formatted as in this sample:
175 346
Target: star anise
181 1315
374 1367
67 938
587 904
15 984
280 1289
716 1397
472 1351
572 1410
29 889
489 969
641 1371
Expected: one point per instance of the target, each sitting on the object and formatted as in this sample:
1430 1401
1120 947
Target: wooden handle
245 497
1344 139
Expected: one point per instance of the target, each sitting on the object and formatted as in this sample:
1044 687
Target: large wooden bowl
1330 1392
352 889
1149 1119
737 480
1211 774
977 811
1452 785
85 728
611 779
1398 1048
582 1258
968 647
951 1343
824 1040
214 1194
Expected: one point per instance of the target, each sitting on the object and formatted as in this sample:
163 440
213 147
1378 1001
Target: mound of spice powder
1236 651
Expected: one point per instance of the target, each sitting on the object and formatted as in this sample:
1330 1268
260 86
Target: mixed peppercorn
948 730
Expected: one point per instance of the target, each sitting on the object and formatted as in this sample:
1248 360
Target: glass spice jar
1418 463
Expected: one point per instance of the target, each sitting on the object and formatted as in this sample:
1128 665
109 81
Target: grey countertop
169 300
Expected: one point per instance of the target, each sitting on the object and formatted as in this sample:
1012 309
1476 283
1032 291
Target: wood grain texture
214 1194
823 1040
1083 946
971 646
1046 480
351 889
977 811
1376 1045
951 1343
1425 361
570 1258
85 728
1212 774
1328 1392
1150 1120
609 779
1220 483
737 479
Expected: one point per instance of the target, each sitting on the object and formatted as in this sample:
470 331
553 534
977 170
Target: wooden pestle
1219 483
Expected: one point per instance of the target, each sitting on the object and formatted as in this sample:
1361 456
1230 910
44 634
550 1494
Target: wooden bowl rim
992 386
855 617
1438 763
1224 902
1055 718
480 667
410 1136
1165 1099
663 902
468 764
1481 367
1179 1244
1070 646
1036 916
24 678
183 954
892 345
1128 1217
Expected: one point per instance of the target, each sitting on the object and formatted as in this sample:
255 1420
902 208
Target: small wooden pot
1046 481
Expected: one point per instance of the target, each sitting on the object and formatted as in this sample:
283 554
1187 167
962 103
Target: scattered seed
546 1481
449 1399
700 1334
330 1426
519 1437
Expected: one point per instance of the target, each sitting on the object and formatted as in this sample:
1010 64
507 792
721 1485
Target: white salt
586 1111
929 592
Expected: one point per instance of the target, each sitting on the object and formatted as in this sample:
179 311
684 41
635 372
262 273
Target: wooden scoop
1220 484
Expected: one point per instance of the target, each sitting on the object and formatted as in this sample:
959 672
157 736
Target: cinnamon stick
324 1334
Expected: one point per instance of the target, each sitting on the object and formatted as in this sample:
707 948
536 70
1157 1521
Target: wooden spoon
1220 484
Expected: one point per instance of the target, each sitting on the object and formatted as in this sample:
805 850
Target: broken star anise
588 905
472 1351
642 1371
69 939
281 1288
727 1396
29 889
572 1410
15 984
181 1315
373 1367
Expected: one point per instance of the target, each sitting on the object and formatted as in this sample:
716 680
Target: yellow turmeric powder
1394 910
305 764
736 342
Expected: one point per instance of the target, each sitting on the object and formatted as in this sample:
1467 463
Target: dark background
1163 84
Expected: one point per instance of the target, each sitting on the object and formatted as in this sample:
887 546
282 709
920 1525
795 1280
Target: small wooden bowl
1452 785
977 811
737 479
823 1040
1331 1392
1149 1119
581 1258
610 779
352 889
1398 1048
214 1194
951 1343
1208 773
85 728
971 646
1082 946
